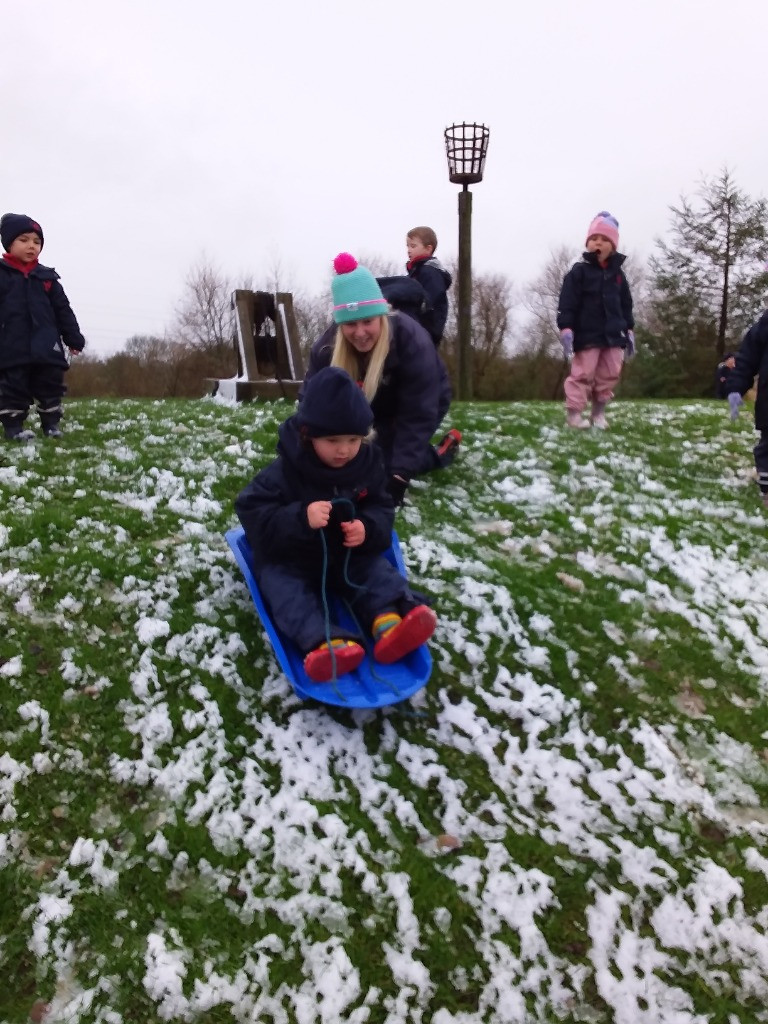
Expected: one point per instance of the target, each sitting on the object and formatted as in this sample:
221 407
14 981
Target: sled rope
366 643
324 593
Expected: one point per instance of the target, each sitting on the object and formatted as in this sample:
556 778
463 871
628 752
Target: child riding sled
318 520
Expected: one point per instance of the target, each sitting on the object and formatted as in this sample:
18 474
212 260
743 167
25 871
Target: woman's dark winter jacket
412 398
596 304
435 280
751 359
36 319
273 507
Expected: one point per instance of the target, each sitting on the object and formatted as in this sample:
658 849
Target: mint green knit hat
356 292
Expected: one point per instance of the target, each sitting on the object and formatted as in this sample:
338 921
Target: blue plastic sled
371 685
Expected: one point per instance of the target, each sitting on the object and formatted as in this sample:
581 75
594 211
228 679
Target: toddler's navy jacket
36 319
273 507
595 302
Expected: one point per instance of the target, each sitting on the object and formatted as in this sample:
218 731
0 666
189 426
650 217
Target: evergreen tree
708 280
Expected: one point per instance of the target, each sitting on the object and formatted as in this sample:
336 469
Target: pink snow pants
594 374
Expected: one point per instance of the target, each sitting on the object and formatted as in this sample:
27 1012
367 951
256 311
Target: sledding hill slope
183 840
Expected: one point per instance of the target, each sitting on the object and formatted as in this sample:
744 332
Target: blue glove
735 401
566 340
630 349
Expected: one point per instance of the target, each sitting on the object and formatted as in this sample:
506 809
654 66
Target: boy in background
428 271
36 324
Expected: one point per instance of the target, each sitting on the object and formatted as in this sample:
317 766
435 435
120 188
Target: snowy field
570 823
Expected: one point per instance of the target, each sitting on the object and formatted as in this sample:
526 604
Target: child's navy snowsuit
596 304
36 323
435 280
289 557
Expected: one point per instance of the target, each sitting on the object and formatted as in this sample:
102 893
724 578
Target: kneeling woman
396 364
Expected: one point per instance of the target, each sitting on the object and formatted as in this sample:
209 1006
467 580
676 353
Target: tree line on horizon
706 282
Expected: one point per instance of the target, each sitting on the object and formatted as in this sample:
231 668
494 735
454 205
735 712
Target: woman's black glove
397 488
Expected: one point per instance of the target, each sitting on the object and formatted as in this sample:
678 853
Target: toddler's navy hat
14 224
333 404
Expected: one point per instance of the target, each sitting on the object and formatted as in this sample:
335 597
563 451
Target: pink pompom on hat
605 224
356 292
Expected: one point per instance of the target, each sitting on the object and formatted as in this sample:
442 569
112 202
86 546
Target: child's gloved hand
397 488
735 401
318 514
354 533
566 340
630 349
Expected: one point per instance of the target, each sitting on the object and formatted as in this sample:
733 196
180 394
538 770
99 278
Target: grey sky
145 136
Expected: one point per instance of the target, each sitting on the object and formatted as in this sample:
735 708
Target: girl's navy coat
289 557
412 399
595 302
751 359
36 319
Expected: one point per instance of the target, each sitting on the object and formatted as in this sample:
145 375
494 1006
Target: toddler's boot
326 663
446 450
19 434
597 419
403 635
574 418
49 422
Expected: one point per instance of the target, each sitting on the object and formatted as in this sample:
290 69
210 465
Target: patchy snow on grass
568 823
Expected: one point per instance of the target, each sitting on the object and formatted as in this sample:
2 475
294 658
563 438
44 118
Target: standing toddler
596 324
36 326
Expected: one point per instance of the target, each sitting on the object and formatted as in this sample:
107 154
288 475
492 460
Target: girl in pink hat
596 324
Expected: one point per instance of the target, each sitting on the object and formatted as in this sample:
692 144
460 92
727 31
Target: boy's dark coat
435 280
36 319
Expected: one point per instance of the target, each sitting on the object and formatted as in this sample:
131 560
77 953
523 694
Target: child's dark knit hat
333 404
356 292
14 224
605 224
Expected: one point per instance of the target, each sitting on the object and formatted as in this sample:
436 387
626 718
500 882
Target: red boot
411 632
322 665
447 448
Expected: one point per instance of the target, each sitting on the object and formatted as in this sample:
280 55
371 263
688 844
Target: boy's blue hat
14 224
356 293
333 404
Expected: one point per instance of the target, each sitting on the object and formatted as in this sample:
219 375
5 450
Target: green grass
595 732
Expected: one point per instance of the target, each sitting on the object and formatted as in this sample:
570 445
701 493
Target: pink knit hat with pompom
607 225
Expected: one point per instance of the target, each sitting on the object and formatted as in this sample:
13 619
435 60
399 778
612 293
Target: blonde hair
346 356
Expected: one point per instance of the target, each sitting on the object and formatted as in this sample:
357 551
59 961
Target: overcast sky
148 136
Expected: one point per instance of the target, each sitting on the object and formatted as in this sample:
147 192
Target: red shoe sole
320 665
451 440
415 629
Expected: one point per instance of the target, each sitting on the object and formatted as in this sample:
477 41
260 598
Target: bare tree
709 278
205 318
540 298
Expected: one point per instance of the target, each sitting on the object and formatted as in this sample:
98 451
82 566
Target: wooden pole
465 296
